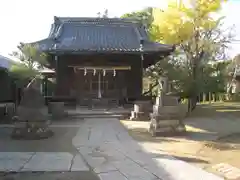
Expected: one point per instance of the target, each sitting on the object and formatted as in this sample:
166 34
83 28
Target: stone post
163 88
141 110
163 83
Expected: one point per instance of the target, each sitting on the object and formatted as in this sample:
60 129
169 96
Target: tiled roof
5 62
98 35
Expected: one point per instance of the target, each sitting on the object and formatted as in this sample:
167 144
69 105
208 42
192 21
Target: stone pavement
76 175
49 159
111 153
41 161
99 146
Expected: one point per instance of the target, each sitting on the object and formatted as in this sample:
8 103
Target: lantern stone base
141 111
139 116
166 127
167 120
31 131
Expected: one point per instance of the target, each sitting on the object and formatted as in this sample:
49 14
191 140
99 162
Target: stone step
121 116
162 117
99 103
163 123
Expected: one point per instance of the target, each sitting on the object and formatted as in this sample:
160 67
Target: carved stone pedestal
31 130
141 111
139 116
167 120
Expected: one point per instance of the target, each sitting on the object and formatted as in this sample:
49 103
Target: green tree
30 56
144 16
31 62
231 71
214 77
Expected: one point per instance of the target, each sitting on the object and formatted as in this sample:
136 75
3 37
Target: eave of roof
6 62
159 49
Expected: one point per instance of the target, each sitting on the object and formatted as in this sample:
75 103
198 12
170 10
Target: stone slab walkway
49 159
48 176
110 152
41 161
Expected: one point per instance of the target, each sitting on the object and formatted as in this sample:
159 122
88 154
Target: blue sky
28 20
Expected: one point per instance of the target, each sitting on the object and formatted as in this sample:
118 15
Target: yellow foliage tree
181 21
196 28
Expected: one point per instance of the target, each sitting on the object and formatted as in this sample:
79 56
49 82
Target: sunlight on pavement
194 129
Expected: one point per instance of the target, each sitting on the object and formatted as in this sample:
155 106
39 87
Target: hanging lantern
114 72
85 72
94 72
104 72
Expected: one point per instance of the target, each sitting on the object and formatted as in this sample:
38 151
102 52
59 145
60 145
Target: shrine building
99 58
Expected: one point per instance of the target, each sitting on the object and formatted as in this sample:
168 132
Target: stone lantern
31 120
167 113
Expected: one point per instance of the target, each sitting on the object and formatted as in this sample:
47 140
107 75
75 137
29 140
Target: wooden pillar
62 76
141 76
135 78
45 86
121 84
99 86
57 75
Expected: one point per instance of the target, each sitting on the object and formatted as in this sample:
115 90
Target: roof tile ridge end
140 38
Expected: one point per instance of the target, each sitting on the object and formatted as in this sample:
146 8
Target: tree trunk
214 97
192 103
210 97
204 97
194 94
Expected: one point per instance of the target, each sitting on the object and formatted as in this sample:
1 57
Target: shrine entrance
101 82
100 86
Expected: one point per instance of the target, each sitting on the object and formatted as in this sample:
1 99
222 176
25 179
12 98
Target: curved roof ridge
95 19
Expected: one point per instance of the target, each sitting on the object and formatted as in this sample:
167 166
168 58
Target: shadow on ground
144 135
48 176
60 142
183 158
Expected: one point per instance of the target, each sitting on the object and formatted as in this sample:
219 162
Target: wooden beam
102 67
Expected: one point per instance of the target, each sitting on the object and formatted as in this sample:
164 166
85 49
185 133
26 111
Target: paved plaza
88 148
